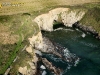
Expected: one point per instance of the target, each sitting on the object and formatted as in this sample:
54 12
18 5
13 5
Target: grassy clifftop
15 30
92 17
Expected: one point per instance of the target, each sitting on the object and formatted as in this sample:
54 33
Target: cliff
64 15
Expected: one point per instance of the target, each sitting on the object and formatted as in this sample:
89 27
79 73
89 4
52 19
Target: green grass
12 56
22 61
21 25
92 18
92 5
23 58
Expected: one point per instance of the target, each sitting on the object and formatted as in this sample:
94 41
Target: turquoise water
85 46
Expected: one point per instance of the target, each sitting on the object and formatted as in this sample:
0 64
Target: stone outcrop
64 15
85 28
42 44
50 66
36 40
28 71
31 67
47 65
48 47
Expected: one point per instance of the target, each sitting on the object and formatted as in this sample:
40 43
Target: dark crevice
58 25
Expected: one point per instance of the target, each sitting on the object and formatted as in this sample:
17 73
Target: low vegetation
20 25
92 17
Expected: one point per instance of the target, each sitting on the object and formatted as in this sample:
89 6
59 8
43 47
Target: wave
44 73
57 29
68 29
89 44
52 57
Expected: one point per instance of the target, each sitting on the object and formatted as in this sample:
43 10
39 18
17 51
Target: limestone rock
36 40
23 70
29 49
66 16
50 66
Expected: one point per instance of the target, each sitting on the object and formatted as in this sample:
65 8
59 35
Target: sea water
84 45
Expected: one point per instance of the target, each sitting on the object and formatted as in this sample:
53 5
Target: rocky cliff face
30 67
64 15
45 22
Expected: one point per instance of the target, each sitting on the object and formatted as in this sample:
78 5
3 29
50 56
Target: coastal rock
29 49
30 69
63 15
42 44
36 40
48 47
85 28
50 66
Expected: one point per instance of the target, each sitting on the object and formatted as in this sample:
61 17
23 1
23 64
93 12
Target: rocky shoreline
87 29
51 47
46 21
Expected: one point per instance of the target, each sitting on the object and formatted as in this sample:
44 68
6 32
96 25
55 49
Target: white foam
68 29
58 29
54 58
88 44
57 59
83 35
69 67
42 67
44 73
38 52
66 53
76 62
77 29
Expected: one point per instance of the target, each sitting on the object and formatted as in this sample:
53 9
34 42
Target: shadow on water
58 25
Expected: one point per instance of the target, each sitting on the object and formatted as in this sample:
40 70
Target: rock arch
62 15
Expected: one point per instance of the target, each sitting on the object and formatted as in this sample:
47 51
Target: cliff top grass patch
22 60
92 17
14 30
